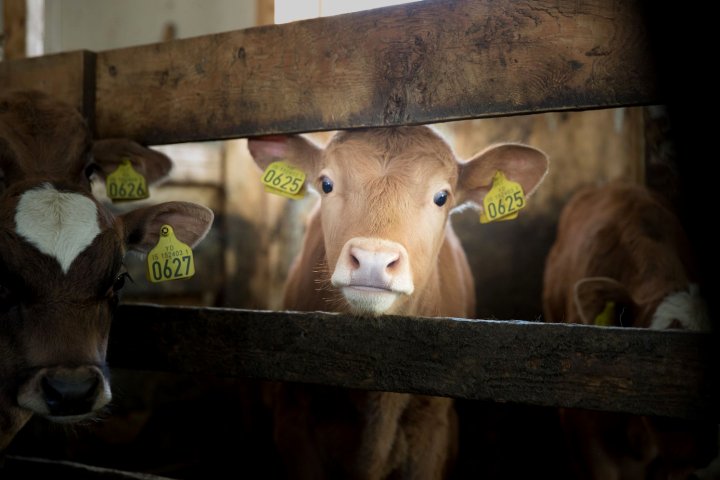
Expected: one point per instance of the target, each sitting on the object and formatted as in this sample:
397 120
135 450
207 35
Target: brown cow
61 257
380 243
621 258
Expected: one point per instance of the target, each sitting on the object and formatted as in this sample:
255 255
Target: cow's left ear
109 153
519 163
190 222
604 302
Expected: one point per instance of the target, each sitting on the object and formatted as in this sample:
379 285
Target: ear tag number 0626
504 200
126 184
285 180
170 259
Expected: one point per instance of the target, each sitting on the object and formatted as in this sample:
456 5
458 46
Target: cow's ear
298 151
190 222
519 163
604 302
109 153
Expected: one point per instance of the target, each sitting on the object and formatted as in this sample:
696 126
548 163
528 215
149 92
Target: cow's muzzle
66 394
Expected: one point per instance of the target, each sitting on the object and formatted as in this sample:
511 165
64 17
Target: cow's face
385 201
61 267
386 195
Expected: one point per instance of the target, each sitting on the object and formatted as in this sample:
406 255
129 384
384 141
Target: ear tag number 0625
504 200
170 259
285 180
126 184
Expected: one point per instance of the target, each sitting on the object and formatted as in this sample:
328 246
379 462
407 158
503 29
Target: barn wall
105 24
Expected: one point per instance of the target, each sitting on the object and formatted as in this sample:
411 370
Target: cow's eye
119 282
326 184
440 198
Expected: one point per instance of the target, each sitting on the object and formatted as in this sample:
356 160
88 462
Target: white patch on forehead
59 224
687 307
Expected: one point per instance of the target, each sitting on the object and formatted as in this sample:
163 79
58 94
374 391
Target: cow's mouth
369 299
370 288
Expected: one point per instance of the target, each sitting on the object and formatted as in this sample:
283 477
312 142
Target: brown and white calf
621 250
380 242
61 257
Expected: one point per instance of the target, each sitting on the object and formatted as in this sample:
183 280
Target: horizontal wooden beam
68 76
13 467
613 369
422 62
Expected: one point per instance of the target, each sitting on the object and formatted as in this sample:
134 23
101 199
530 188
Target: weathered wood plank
69 76
19 467
416 63
625 370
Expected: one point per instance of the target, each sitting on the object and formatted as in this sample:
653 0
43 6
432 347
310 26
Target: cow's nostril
355 262
392 264
69 396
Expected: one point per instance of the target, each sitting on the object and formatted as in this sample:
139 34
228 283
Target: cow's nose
378 261
70 394
373 263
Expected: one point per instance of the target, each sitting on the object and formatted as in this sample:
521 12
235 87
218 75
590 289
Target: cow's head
61 257
605 301
386 195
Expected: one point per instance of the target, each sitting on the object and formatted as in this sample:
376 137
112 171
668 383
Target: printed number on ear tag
285 180
504 200
126 184
170 259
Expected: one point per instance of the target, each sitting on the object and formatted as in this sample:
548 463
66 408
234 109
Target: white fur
687 307
58 224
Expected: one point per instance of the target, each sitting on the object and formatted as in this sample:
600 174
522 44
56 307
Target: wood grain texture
623 370
68 76
416 63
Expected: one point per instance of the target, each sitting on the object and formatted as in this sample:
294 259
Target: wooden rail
613 369
423 62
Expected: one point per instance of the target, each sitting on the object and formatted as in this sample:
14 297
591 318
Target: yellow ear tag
606 318
283 179
504 200
126 184
170 259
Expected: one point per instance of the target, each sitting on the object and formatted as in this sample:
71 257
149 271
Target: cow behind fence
61 257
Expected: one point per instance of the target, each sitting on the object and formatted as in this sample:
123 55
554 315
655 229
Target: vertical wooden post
264 12
14 28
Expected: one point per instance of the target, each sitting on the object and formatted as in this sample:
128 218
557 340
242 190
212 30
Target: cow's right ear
296 150
109 153
190 222
604 301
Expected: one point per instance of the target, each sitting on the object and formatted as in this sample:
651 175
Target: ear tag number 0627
285 180
504 200
170 259
126 184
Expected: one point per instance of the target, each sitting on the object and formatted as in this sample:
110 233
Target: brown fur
384 182
52 323
631 245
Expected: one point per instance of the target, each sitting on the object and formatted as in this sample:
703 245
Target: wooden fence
412 64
